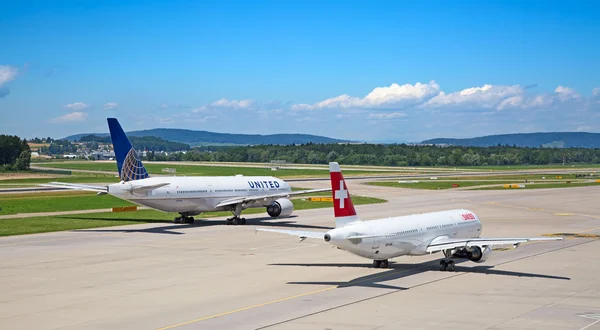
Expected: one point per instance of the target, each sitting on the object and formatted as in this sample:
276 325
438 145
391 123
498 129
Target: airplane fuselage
198 194
405 235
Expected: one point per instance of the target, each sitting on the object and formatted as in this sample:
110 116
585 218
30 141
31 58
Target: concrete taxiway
212 276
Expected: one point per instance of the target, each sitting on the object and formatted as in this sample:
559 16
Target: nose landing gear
380 264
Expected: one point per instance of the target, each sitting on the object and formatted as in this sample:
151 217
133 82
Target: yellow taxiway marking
564 213
369 278
249 307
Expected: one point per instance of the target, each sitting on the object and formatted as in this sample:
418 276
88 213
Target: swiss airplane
191 195
453 232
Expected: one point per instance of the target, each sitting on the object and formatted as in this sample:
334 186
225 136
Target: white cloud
7 73
566 93
77 106
406 112
394 96
110 105
486 96
224 104
303 119
385 115
76 116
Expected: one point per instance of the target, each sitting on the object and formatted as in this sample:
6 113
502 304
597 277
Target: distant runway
325 178
212 276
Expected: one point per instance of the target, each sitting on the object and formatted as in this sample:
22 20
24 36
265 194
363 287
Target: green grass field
76 200
437 184
434 184
19 226
521 177
56 201
529 167
207 170
87 178
545 186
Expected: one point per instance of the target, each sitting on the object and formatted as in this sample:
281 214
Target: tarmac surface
212 276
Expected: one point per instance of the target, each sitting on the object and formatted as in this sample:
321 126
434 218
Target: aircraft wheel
243 221
235 221
376 263
450 267
177 220
384 264
443 265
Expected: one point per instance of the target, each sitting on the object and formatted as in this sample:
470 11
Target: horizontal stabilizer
365 236
73 186
247 199
302 234
448 244
144 188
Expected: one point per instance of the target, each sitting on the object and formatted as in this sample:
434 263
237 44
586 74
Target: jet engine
281 208
475 253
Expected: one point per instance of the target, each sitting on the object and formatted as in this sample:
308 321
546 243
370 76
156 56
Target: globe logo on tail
132 167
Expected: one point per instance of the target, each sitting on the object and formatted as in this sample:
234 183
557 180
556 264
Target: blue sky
370 70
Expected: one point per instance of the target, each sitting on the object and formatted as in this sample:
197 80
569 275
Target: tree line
15 154
149 143
389 155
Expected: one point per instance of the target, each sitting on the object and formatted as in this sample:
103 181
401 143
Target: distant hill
546 140
149 143
195 138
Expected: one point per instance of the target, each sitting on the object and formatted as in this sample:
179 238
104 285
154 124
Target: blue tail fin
129 164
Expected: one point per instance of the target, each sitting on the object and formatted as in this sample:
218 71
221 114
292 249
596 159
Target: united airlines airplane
191 195
454 232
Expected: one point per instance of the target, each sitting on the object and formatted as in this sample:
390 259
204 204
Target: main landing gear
447 264
184 219
236 220
380 264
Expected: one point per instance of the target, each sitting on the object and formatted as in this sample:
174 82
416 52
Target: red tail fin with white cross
343 209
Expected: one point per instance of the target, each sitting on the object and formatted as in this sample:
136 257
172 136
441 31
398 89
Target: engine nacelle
475 254
281 208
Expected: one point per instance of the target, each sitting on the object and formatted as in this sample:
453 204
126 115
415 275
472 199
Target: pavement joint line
419 285
350 283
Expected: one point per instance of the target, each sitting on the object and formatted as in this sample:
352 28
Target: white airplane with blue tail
191 195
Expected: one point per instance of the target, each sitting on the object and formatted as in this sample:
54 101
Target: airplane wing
246 199
447 243
73 186
312 234
103 189
302 234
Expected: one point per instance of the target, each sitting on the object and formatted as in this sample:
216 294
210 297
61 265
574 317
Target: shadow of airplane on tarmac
175 229
398 271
